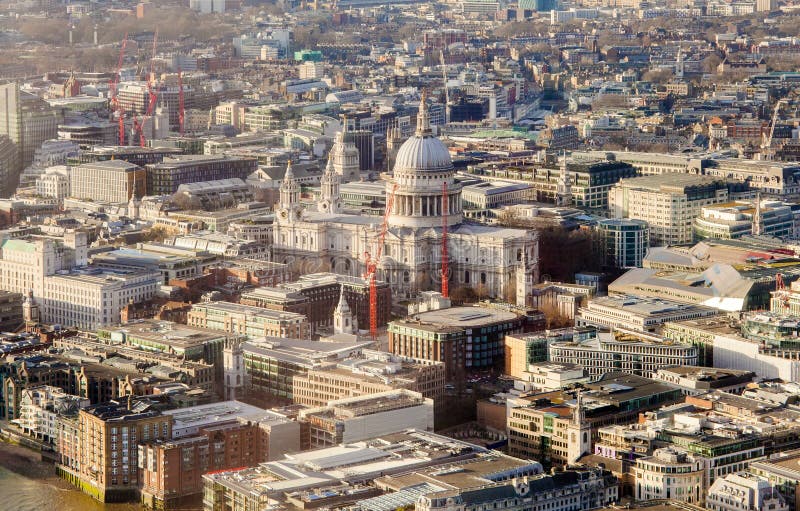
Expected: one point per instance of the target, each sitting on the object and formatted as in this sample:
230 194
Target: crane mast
372 265
445 255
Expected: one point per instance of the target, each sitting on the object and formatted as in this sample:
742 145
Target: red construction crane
372 265
445 258
180 101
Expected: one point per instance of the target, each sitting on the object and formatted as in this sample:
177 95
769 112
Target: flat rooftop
311 354
646 306
483 469
721 325
168 332
389 454
237 308
461 317
218 413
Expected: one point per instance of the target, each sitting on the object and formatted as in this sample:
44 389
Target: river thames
27 484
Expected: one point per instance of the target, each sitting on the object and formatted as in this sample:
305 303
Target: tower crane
445 255
372 265
766 147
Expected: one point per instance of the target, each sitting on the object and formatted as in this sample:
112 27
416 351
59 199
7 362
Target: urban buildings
354 419
463 338
540 425
113 181
627 241
249 321
271 364
667 202
496 259
104 461
670 474
27 121
210 438
637 313
743 491
340 473
67 291
166 177
634 353
369 373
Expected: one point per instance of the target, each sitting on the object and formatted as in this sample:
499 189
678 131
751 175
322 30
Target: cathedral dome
423 151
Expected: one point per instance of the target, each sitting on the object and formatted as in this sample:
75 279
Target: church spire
342 316
423 116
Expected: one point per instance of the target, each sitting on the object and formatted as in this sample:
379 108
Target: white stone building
54 182
69 292
502 261
41 407
669 474
744 492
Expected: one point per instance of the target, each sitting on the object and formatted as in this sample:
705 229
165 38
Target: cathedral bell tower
330 196
289 208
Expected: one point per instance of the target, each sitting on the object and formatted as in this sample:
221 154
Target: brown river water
27 484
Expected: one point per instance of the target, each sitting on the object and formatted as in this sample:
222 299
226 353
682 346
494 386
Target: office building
207 6
67 291
463 338
166 177
369 373
744 492
113 181
670 474
326 475
635 313
783 473
271 364
669 203
11 311
634 353
521 351
626 241
172 262
549 376
9 157
54 183
359 418
27 121
540 425
737 219
249 321
210 438
693 380
591 180
140 156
